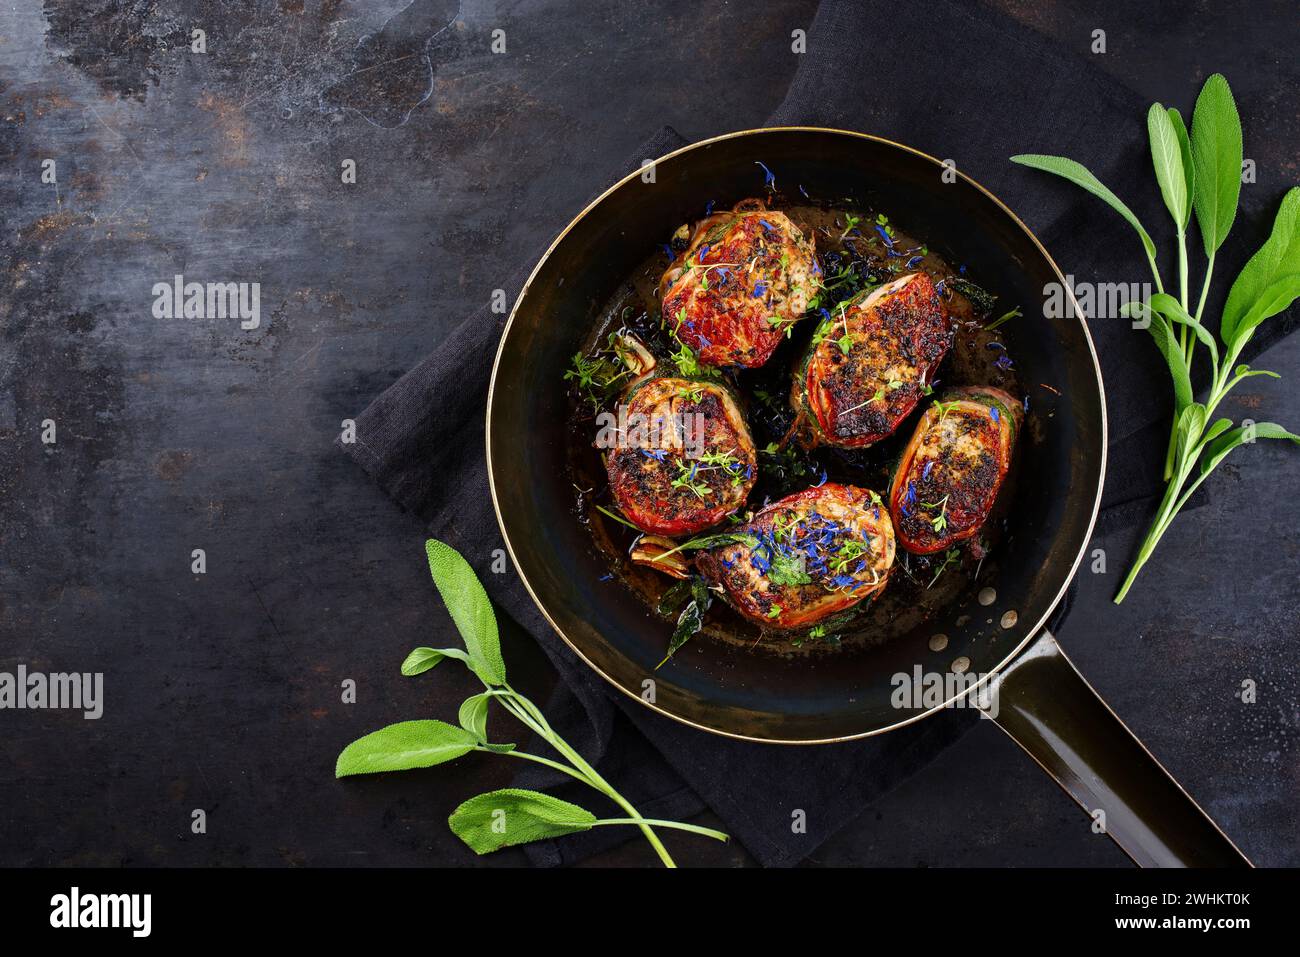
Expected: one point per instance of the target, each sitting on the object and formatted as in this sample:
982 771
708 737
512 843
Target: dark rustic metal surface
223 689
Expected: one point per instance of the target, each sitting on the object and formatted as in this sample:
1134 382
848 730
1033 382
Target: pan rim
1030 634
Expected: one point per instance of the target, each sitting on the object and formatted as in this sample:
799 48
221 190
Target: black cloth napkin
959 82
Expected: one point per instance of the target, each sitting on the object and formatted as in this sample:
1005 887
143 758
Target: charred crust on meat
870 363
671 482
745 276
949 475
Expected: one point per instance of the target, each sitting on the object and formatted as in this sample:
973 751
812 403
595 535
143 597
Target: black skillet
1043 703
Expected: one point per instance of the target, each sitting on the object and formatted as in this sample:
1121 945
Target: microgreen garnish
951 557
1004 318
777 321
940 521
687 362
505 817
594 376
693 392
618 518
943 408
688 478
1202 174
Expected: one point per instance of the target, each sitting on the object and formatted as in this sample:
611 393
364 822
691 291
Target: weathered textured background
223 689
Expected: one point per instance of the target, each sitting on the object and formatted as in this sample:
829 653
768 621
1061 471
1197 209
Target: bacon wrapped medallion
869 363
806 557
950 472
684 460
745 277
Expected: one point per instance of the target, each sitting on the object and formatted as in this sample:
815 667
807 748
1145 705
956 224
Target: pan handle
1051 711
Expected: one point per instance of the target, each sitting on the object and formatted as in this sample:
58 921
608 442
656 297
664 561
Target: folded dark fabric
955 81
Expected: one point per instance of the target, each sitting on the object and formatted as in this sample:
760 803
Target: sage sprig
502 818
1201 172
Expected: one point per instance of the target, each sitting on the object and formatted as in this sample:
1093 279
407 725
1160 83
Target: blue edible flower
768 178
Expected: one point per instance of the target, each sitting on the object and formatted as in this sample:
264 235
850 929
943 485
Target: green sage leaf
402 746
1189 164
1173 310
1191 423
1078 174
1162 332
422 659
473 715
1225 443
1216 151
513 816
1244 371
1276 261
1167 158
470 609
1276 298
1214 431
